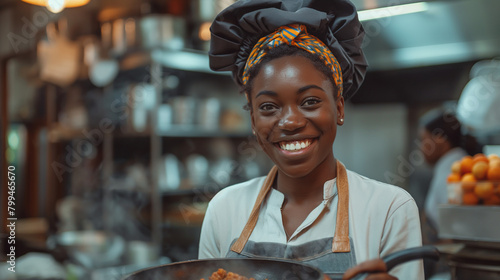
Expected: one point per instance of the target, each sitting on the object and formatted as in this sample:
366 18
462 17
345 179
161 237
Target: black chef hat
236 29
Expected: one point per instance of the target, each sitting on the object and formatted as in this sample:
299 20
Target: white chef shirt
437 193
382 219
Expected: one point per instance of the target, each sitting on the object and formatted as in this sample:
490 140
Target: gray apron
333 256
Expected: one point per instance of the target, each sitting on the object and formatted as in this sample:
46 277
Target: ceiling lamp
57 6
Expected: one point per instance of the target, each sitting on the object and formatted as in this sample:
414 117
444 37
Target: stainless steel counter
470 223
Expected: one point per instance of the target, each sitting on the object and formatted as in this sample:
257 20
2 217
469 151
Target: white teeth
295 145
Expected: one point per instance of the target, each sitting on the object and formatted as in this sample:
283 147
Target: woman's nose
291 119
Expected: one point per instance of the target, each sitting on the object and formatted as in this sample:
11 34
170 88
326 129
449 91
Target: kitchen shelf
189 192
132 134
186 59
200 132
182 59
171 194
58 133
184 191
175 131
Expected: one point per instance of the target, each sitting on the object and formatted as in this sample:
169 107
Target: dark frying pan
257 268
261 269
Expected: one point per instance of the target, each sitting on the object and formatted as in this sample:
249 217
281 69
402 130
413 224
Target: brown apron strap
340 240
254 215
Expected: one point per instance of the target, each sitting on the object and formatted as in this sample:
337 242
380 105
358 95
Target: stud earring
253 132
341 120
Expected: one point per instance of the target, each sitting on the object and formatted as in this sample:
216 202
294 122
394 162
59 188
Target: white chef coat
438 193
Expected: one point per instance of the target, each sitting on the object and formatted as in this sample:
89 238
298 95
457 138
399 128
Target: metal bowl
91 249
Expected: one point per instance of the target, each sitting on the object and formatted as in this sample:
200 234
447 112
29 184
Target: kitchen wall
374 141
19 27
5 27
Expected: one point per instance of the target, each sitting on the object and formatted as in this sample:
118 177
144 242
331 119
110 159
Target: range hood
445 32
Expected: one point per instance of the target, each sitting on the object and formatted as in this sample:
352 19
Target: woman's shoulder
370 190
374 185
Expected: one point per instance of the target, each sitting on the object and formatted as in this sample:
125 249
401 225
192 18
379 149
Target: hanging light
57 6
204 32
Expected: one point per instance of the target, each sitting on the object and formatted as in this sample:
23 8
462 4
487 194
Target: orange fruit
479 155
494 162
466 164
484 190
469 178
480 169
468 182
493 173
470 199
478 158
493 156
492 200
455 167
453 178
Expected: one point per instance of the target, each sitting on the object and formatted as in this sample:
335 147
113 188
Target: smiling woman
297 62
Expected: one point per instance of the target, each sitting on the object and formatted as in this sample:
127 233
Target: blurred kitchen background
120 133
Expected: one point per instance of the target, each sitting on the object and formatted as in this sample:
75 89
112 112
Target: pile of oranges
479 179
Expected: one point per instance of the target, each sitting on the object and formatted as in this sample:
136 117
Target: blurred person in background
443 143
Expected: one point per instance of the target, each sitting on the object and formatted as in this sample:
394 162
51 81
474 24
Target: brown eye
267 107
310 102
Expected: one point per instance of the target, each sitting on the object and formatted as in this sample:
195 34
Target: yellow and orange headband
294 35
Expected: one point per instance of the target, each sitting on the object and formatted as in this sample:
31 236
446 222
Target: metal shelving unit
160 200
477 230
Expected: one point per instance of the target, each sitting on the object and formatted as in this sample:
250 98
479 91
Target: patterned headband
294 35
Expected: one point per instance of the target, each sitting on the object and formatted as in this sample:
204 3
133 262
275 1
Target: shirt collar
329 190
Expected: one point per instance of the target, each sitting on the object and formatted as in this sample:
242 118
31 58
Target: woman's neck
309 187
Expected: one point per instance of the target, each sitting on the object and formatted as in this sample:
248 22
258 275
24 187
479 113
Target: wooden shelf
65 134
196 131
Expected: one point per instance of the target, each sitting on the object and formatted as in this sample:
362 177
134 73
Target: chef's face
295 114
